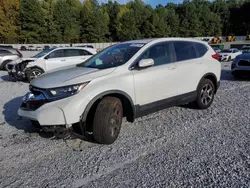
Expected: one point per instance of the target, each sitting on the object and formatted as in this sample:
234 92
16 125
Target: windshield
226 51
44 52
113 56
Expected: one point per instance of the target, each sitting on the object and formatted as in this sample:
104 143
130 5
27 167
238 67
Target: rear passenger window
162 53
201 49
184 50
72 52
84 52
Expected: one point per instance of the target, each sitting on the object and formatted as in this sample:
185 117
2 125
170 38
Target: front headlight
66 91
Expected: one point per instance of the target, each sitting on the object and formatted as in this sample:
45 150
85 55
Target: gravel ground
176 147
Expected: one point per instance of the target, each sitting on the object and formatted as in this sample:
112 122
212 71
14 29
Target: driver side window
56 54
162 54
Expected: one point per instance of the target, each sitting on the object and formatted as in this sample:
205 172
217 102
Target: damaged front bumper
18 70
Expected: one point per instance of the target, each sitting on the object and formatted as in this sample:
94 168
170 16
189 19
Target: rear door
55 59
76 56
190 64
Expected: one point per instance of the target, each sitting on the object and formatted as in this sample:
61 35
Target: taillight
19 54
216 56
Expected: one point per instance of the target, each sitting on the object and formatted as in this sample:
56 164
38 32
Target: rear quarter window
184 50
201 49
84 52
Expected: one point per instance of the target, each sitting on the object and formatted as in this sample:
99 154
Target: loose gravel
176 147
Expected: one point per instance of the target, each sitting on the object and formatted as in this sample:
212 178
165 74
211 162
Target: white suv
130 79
48 60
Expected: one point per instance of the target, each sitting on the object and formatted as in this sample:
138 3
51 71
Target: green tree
50 34
9 20
31 21
67 20
94 22
127 28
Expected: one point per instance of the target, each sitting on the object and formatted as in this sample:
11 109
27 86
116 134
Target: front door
55 59
153 85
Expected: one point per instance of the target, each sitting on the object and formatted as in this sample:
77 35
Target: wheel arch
212 77
127 104
35 67
4 63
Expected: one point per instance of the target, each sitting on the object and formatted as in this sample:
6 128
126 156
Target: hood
70 76
20 60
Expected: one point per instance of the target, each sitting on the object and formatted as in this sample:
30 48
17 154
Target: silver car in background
8 55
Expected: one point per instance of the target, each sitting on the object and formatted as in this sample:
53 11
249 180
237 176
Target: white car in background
48 60
32 48
230 54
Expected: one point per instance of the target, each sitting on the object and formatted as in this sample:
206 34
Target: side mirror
46 57
146 63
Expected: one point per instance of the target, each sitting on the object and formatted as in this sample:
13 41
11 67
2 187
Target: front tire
33 73
107 120
205 94
5 64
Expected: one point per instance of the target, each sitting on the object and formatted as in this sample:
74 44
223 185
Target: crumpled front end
17 69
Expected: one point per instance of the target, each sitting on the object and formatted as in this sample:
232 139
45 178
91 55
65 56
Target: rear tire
107 120
33 73
205 94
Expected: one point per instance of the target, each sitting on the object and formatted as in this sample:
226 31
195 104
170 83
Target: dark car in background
245 49
46 47
23 48
241 66
86 46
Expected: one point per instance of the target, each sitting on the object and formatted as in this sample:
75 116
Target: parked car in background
39 48
46 47
8 55
216 49
31 48
229 55
23 48
86 46
130 79
48 60
241 66
245 49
